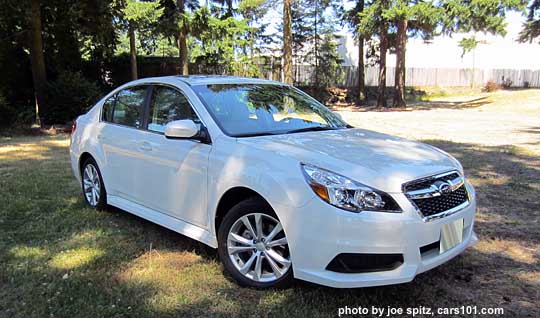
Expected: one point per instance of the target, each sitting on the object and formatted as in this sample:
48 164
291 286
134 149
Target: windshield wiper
256 134
315 128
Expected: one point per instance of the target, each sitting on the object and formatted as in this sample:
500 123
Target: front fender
278 180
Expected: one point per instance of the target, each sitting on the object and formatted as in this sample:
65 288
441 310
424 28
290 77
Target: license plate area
451 235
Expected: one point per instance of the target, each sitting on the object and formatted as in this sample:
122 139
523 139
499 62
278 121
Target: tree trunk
182 40
316 45
287 42
132 53
362 94
182 47
361 76
39 75
383 47
401 44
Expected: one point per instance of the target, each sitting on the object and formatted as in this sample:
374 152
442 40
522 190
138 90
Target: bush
69 96
491 86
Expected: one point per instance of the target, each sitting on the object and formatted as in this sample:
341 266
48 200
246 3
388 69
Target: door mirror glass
185 128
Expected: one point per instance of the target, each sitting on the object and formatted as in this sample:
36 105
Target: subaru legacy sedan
283 187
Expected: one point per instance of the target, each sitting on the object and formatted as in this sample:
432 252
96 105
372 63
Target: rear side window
129 106
108 107
168 104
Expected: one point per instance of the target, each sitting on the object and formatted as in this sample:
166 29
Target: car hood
378 160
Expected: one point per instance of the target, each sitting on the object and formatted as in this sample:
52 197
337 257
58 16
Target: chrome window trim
150 83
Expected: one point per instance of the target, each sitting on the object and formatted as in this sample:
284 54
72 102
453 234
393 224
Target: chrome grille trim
437 192
433 191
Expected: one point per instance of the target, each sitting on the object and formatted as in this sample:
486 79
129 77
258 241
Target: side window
129 106
168 104
107 109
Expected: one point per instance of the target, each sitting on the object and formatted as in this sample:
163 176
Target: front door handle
145 146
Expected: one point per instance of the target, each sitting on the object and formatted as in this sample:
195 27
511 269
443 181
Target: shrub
507 83
70 95
491 86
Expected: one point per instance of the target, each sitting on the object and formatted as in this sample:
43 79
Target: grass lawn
61 259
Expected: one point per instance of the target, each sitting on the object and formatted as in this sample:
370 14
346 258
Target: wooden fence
347 76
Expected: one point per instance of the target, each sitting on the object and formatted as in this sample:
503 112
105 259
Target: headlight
347 194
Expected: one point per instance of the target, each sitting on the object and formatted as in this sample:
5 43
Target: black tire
252 205
101 203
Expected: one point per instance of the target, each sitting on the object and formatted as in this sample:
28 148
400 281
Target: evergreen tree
352 17
175 24
329 60
318 24
253 11
531 27
287 42
139 16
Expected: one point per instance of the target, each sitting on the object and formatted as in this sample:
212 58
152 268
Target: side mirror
184 129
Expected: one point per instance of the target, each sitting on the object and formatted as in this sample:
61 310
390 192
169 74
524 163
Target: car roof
193 80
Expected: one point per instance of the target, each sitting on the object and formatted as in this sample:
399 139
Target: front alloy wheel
253 246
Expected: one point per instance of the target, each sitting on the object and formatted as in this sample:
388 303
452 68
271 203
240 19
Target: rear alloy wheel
253 246
92 185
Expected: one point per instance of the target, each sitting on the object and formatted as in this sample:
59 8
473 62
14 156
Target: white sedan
279 184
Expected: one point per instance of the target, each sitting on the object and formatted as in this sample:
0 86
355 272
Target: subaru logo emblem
442 187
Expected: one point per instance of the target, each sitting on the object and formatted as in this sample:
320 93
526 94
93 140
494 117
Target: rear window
108 107
129 105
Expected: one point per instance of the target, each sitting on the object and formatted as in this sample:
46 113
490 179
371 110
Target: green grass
59 258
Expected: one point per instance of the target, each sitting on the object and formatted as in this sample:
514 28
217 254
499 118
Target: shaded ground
61 259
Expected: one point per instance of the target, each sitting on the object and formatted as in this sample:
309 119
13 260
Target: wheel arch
230 198
82 159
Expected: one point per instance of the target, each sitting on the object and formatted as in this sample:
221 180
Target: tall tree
328 60
399 77
531 27
352 16
175 23
253 11
287 42
371 22
420 18
138 16
37 59
217 44
317 18
383 47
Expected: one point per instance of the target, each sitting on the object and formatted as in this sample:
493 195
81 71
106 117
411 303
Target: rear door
174 170
120 137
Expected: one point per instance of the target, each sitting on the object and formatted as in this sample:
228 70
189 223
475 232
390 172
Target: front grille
435 205
433 202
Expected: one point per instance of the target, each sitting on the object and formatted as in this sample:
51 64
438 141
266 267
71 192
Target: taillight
73 127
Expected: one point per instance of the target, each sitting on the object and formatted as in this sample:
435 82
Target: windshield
243 110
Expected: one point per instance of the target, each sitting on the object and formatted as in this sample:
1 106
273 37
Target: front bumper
317 232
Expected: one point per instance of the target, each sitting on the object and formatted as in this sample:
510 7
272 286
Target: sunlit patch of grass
528 277
28 252
72 259
511 249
